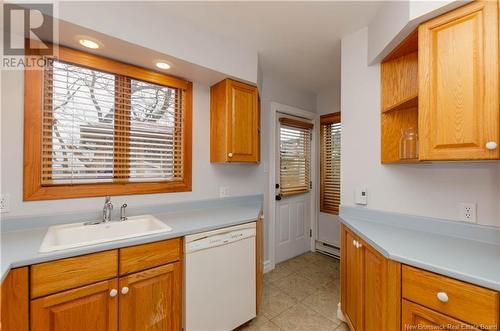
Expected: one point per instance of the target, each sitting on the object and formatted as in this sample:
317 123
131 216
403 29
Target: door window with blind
295 156
331 131
100 127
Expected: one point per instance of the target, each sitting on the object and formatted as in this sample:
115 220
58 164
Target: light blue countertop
458 250
20 245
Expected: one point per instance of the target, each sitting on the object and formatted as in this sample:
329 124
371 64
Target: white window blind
100 127
331 131
295 156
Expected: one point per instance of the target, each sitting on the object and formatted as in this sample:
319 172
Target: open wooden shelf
399 82
392 124
399 97
410 102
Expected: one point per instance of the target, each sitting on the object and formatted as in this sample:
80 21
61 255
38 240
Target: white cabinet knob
230 154
113 293
125 290
491 145
442 296
354 243
358 244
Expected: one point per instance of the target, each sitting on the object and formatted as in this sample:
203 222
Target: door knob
354 243
125 290
230 154
113 293
491 145
442 296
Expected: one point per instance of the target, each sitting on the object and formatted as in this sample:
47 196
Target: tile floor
300 294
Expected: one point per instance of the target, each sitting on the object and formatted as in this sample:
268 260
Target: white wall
207 177
395 20
152 27
433 190
274 90
328 100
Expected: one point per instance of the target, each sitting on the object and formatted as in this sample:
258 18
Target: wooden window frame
324 120
33 104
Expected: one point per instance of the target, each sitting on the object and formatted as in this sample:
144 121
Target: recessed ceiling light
89 43
163 65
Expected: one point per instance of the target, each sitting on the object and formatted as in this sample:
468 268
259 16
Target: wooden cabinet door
151 299
381 291
458 84
93 307
416 317
243 128
15 301
351 269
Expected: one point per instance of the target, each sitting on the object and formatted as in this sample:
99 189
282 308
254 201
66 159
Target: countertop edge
490 284
251 216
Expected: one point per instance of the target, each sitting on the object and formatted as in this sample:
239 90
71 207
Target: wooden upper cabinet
235 122
152 299
458 84
92 307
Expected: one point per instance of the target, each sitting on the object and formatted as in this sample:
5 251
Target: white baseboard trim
267 266
328 249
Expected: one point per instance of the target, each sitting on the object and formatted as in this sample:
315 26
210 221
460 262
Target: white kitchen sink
60 237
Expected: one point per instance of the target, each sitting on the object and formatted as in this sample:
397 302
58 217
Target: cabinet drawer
60 275
466 302
137 258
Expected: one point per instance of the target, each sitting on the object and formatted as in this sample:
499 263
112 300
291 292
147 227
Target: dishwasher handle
219 240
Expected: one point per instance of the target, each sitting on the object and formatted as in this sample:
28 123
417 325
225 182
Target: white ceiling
298 42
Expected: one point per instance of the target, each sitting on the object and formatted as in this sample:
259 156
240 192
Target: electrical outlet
4 203
468 212
223 191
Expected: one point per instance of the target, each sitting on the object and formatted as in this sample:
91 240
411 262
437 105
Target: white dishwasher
220 278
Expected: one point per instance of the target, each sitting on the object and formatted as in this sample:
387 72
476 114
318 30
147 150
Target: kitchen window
94 127
295 156
330 133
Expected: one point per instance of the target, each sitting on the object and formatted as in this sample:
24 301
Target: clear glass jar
408 144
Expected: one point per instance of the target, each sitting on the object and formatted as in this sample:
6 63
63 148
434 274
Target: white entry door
292 227
293 199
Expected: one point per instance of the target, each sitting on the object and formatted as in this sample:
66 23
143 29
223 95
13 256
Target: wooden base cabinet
416 317
370 286
143 290
351 280
15 301
151 299
92 307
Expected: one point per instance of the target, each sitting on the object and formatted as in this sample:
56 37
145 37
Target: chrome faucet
106 211
123 217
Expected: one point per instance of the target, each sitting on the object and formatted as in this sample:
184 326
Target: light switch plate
361 196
